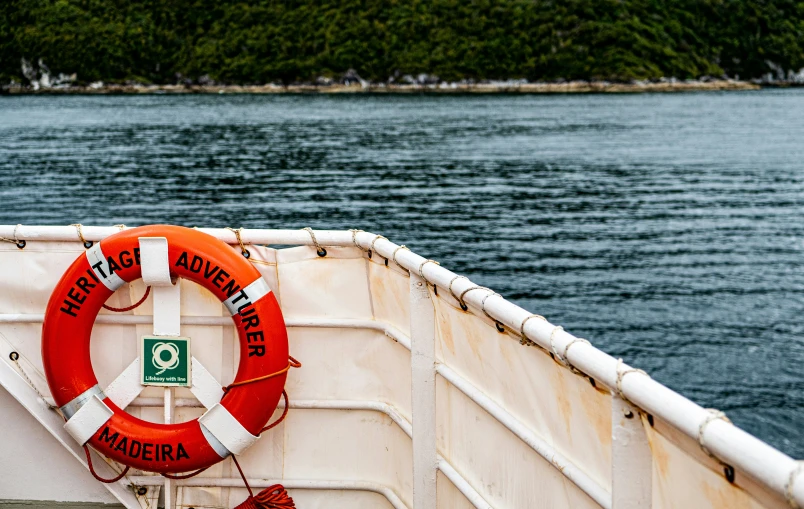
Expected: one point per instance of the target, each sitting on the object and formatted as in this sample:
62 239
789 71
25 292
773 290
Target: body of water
667 229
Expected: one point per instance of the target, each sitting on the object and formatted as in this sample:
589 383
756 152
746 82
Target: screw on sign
165 361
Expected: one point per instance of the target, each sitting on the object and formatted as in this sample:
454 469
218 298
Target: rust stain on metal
388 300
598 412
505 349
726 496
563 403
445 328
661 458
472 334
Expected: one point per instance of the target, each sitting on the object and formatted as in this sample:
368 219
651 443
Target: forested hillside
261 41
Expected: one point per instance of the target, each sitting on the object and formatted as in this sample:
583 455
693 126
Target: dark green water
667 229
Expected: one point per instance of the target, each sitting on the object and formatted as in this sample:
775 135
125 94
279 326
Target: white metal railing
555 458
375 406
731 445
546 451
319 323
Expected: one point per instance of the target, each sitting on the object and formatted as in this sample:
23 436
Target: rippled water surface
667 229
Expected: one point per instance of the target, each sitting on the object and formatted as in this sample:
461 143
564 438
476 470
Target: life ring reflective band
228 427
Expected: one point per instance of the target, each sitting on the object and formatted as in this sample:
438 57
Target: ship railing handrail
572 472
326 404
335 323
728 443
388 409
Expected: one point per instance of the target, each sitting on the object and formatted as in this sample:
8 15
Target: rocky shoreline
490 87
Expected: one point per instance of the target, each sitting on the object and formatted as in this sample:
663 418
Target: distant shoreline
357 88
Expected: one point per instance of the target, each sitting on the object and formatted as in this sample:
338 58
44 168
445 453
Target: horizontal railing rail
373 406
291 484
556 459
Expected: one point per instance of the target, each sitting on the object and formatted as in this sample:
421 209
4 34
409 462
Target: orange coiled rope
272 497
292 363
129 308
96 476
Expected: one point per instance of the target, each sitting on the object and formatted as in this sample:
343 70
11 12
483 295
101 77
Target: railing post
423 395
632 462
167 316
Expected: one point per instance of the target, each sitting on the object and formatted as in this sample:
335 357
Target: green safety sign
165 361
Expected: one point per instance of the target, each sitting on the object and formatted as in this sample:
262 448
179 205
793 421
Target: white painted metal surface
208 391
464 487
745 452
126 387
167 322
632 462
506 395
14 383
423 396
567 468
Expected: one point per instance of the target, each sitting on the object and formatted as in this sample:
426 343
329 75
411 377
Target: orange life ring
201 258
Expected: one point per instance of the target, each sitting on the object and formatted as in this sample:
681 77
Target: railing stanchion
631 459
423 395
167 319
